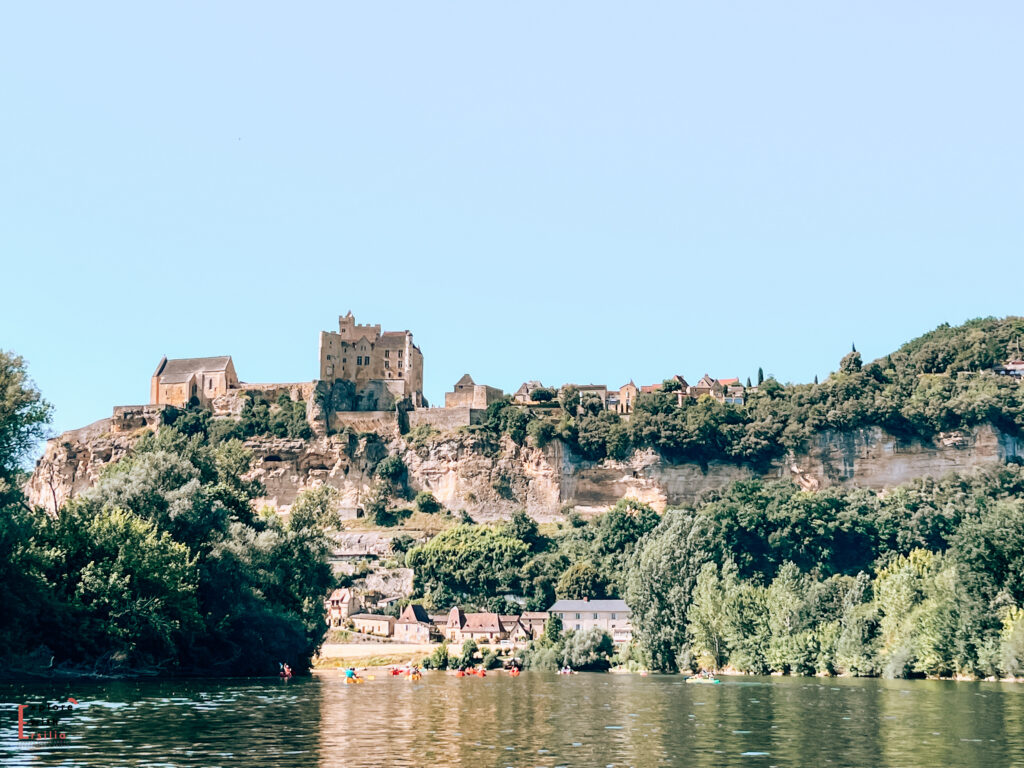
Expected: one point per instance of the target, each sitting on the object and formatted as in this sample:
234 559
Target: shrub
427 504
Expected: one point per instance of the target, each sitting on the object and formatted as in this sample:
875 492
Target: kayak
703 680
415 678
350 680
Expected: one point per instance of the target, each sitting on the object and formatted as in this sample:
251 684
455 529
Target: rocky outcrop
489 479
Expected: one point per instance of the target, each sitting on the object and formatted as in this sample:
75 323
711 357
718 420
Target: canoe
704 680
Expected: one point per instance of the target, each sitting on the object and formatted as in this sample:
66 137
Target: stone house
515 630
522 395
613 616
341 604
468 394
374 624
414 625
597 389
533 622
627 397
365 356
176 382
707 386
481 627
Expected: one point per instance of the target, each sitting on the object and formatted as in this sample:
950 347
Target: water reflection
535 720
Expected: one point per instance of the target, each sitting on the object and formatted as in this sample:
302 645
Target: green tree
581 580
542 395
591 649
427 504
24 415
467 564
851 363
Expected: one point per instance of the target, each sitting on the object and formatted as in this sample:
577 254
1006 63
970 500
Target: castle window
359 360
387 364
344 359
399 353
399 363
387 353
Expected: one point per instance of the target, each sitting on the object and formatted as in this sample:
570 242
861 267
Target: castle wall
381 422
446 419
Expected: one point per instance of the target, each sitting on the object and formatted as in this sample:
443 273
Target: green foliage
591 649
924 579
541 432
427 504
940 382
439 659
569 399
470 651
392 469
542 395
421 436
24 415
163 565
467 565
524 528
581 580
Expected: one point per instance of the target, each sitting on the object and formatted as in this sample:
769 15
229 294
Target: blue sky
587 192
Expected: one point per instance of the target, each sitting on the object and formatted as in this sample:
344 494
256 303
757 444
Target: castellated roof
180 370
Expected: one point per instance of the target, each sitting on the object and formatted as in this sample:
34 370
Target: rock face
490 479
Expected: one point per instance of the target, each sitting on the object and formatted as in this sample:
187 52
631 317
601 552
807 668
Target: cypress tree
760 376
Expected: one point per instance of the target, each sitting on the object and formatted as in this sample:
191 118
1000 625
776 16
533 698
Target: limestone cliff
489 479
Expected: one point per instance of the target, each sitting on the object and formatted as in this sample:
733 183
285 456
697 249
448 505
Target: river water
538 719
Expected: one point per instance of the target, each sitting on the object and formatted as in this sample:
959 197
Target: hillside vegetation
164 565
939 382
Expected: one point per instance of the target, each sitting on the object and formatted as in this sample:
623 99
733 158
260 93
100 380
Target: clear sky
586 192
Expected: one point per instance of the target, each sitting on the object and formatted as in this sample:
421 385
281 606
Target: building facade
364 355
373 624
414 625
613 616
468 394
177 382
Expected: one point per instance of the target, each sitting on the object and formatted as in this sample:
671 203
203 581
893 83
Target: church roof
182 369
465 380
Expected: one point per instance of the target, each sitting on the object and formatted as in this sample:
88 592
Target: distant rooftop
590 605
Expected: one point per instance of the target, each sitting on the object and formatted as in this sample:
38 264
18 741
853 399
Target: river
538 719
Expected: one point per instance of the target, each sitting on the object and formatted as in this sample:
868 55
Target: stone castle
367 377
366 357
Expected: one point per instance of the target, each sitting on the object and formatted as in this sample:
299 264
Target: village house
481 627
468 394
610 615
1013 368
596 389
373 624
627 396
176 382
341 604
414 625
533 622
515 631
522 395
